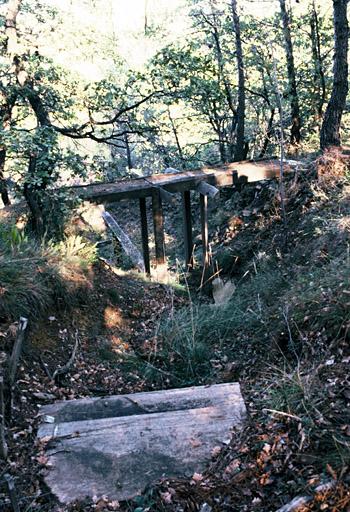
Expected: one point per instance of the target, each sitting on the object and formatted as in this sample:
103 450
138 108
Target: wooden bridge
163 187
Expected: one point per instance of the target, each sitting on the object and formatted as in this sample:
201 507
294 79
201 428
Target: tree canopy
91 90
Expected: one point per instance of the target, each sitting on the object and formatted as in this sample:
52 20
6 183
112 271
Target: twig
17 349
65 369
300 501
209 279
3 444
12 492
45 368
281 413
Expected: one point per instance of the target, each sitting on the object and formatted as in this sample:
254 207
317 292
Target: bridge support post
203 199
158 225
144 234
187 226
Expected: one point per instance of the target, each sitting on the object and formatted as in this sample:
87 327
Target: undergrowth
287 325
35 276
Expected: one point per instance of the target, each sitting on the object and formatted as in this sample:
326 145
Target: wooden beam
223 176
130 249
144 234
143 187
158 225
171 433
207 190
167 196
187 226
204 224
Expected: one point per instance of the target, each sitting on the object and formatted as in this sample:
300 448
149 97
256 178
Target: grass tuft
34 277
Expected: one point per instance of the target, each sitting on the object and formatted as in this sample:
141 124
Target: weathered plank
137 439
194 397
130 249
143 187
207 190
221 176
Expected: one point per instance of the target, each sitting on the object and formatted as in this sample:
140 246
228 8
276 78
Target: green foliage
35 277
74 248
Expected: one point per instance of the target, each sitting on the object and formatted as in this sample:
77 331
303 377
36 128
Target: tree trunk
268 133
128 152
319 78
240 150
295 135
222 77
177 140
5 116
13 7
330 131
32 197
3 187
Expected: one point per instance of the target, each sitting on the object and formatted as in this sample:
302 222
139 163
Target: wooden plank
187 227
193 397
119 456
203 202
220 176
207 190
251 171
144 234
158 225
130 249
142 187
167 196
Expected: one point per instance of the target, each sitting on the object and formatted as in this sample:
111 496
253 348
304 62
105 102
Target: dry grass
332 167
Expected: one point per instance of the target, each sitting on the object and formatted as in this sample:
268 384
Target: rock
222 292
205 508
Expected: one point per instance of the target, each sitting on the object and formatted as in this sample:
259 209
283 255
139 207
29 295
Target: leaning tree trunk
330 131
295 135
240 150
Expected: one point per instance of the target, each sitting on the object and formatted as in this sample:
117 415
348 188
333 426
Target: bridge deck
223 176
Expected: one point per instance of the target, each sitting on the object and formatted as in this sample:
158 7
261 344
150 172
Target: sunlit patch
118 345
112 317
235 222
343 224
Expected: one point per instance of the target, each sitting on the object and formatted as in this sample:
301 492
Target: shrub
34 277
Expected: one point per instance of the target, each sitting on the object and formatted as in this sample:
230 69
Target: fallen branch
3 444
281 413
17 349
63 370
45 368
301 501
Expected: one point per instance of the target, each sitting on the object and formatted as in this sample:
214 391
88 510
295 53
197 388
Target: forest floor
288 347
